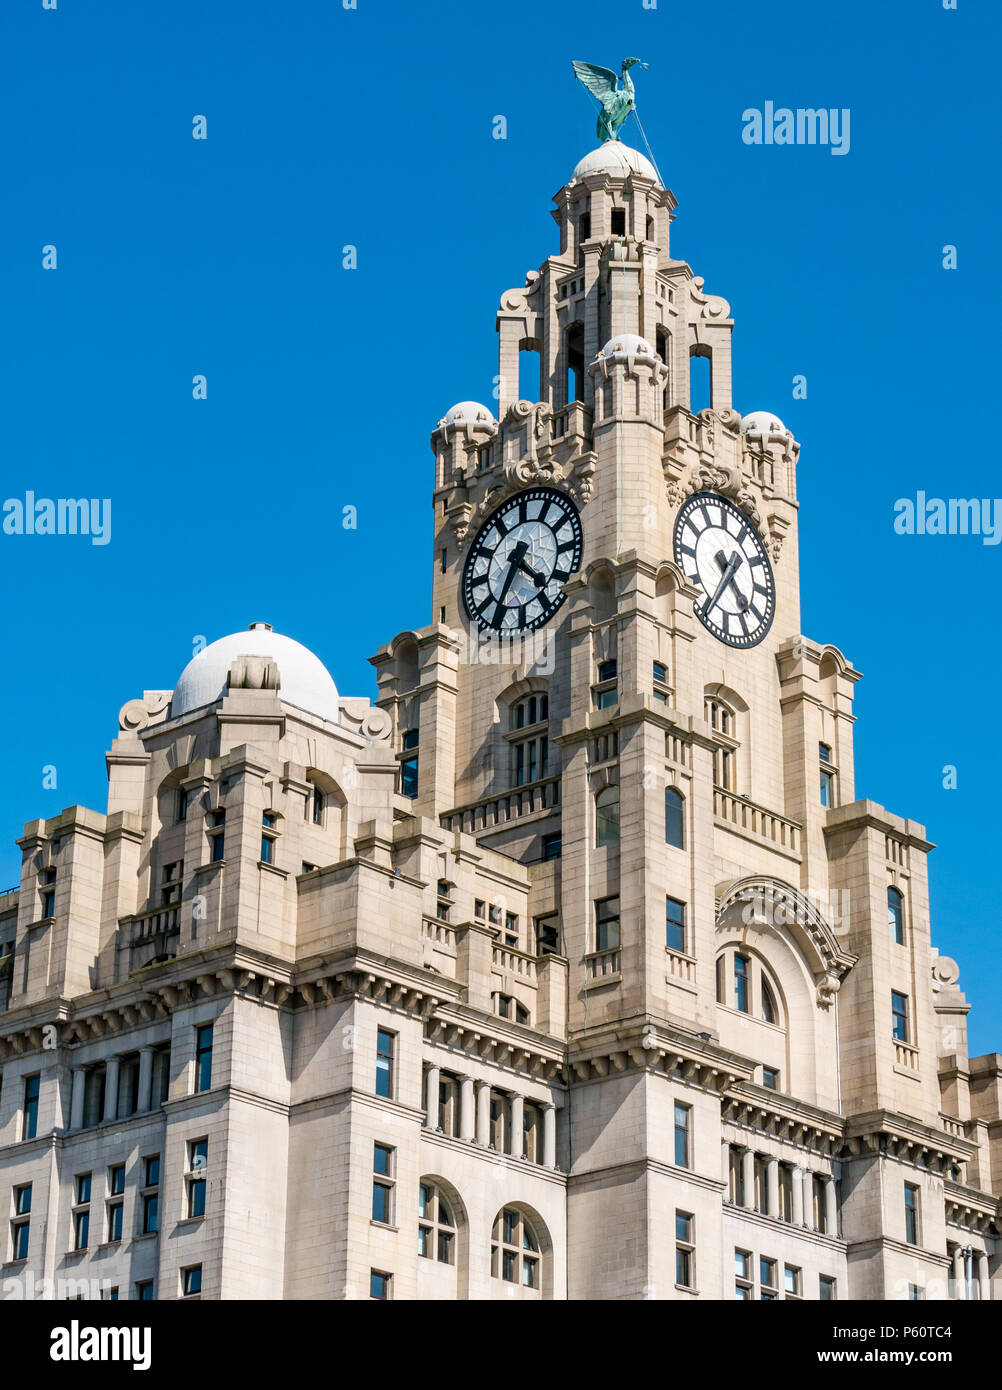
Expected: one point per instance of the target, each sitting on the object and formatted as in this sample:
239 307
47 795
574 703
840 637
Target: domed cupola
261 659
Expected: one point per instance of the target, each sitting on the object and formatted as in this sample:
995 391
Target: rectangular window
116 1200
380 1285
683 1135
552 846
268 823
768 1282
827 787
911 1213
182 804
411 738
674 924
170 883
198 1158
191 1281
899 1016
605 699
409 777
382 1184
618 227
607 670
150 1205
770 1078
511 929
791 1281
915 1293
48 903
742 1274
827 1289
29 1124
81 1211
548 935
741 983
21 1222
218 848
385 1056
660 672
144 1291
606 924
685 1250
203 1057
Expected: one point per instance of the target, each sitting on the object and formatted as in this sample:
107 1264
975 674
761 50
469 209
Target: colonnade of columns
475 1116
802 1184
109 1108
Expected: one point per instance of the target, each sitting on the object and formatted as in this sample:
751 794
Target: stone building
572 966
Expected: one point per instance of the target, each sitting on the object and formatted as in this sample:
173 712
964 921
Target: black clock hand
730 568
514 560
538 579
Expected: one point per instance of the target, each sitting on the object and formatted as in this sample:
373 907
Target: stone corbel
778 527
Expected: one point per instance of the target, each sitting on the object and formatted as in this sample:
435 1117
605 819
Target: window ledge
685 1288
273 869
188 1221
146 1235
384 1226
108 1245
211 864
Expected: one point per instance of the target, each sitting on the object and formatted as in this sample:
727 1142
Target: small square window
607 670
770 1078
660 672
410 739
552 846
379 1284
191 1280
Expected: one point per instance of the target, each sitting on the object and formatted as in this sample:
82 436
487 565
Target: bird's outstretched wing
601 82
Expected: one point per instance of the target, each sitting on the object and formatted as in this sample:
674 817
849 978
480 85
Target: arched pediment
768 904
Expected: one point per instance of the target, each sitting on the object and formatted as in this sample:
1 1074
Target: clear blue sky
373 127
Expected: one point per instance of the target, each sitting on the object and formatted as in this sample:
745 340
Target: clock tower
618 701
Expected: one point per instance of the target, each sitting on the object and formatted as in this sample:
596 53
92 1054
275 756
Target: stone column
431 1097
484 1113
725 1163
77 1098
145 1079
808 1181
111 1090
772 1183
516 1139
748 1177
550 1136
466 1120
959 1273
831 1208
984 1291
798 1196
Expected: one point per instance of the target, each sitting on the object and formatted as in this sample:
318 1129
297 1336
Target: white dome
627 345
469 413
304 680
763 422
614 157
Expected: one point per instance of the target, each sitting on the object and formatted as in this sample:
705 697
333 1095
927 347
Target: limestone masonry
571 967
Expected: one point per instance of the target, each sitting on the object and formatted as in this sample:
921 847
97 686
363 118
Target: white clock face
720 552
520 559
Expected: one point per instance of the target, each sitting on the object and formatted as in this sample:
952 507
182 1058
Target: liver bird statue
617 102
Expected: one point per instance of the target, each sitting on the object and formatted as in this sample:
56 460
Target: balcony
516 963
906 1057
755 822
604 967
150 937
496 812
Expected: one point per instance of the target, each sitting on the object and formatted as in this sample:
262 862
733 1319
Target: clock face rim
572 514
759 635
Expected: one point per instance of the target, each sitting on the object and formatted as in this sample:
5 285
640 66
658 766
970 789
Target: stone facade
570 968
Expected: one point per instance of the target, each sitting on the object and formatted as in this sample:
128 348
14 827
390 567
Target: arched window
574 349
896 916
664 353
721 719
528 737
436 1226
700 381
745 984
674 819
607 816
515 1256
770 1013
